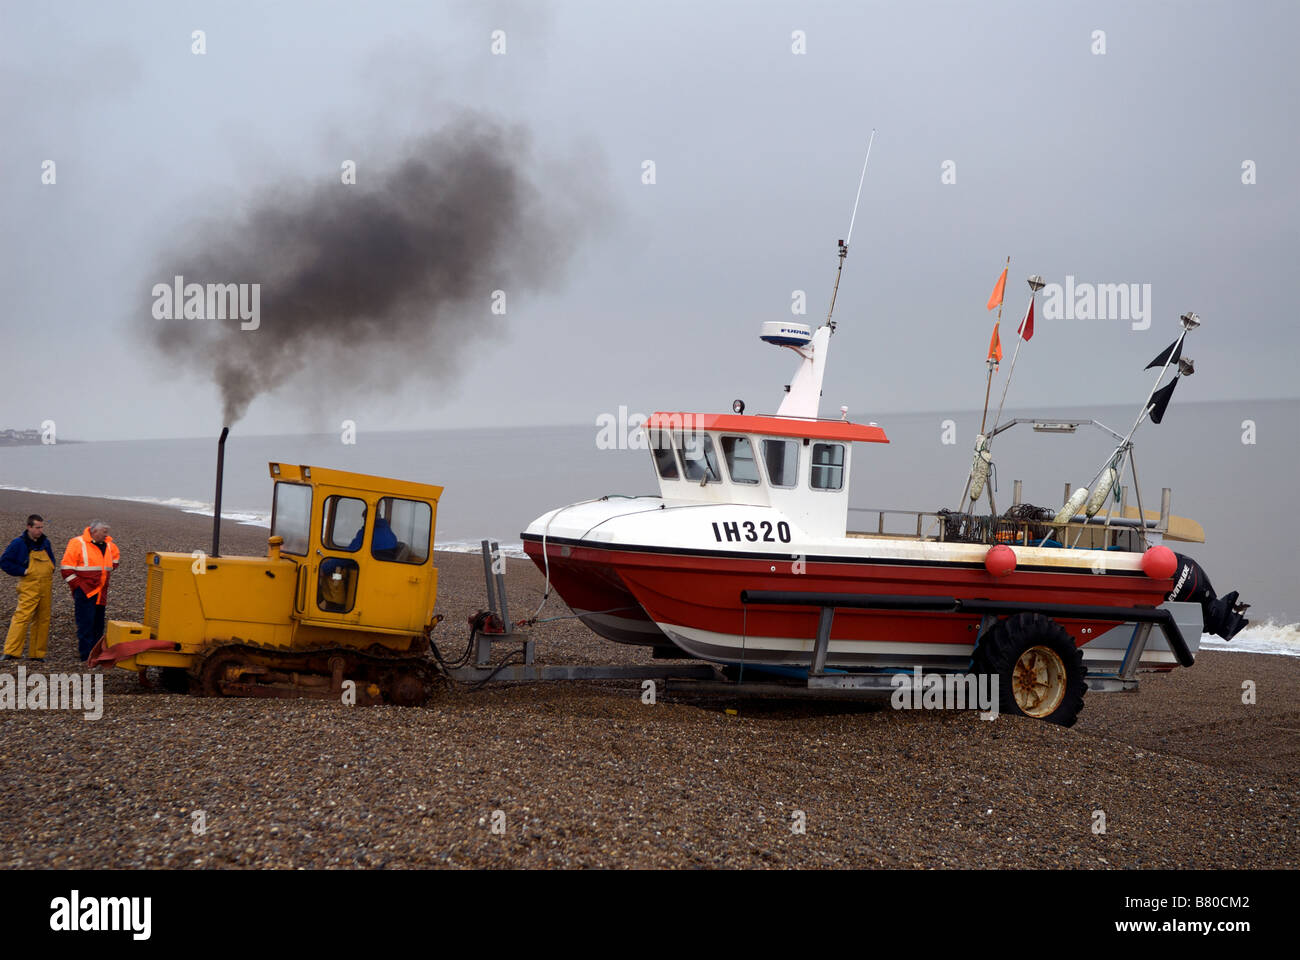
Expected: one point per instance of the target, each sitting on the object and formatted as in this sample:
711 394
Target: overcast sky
1117 167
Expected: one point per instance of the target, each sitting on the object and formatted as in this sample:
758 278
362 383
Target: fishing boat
747 557
751 504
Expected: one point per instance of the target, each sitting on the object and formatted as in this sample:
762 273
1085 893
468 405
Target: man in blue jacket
30 558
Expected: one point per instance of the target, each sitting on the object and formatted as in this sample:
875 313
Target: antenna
844 244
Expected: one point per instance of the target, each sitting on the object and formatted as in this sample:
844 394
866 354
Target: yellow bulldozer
341 605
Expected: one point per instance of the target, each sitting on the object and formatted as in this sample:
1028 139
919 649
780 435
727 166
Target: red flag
995 346
1027 325
995 298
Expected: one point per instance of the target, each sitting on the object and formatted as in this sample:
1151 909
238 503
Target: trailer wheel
1039 669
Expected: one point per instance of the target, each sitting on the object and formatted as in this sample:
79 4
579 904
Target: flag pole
1190 322
990 362
981 445
1035 284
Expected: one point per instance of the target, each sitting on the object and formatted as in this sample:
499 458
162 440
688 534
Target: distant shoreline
7 442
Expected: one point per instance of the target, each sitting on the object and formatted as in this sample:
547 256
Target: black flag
1160 400
1169 354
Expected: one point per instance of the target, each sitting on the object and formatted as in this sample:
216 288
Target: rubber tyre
1000 651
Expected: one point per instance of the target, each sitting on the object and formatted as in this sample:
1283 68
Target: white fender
979 468
1067 512
1104 486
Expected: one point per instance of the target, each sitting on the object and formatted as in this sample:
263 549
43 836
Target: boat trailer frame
710 679
481 670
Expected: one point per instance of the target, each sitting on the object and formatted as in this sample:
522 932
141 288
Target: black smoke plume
366 286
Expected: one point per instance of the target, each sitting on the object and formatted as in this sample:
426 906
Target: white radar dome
786 334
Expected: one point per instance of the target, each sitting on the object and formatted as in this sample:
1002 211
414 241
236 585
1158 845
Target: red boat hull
695 599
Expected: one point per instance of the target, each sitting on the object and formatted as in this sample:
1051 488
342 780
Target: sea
1231 466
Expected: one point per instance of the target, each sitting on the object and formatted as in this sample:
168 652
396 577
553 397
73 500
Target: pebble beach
1182 774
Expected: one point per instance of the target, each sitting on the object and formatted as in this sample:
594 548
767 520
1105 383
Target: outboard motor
1221 616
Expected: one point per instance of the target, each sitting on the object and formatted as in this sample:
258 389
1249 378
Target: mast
844 244
803 394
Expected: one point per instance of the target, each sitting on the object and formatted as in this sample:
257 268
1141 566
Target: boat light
1051 426
1185 366
738 406
1190 320
1035 283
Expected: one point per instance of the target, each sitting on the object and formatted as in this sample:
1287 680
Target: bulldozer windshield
291 516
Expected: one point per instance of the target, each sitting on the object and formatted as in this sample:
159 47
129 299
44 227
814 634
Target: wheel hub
1038 681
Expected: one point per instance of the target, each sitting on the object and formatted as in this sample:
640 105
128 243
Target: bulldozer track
318 673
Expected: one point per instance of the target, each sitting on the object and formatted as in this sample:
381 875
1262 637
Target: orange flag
995 344
995 298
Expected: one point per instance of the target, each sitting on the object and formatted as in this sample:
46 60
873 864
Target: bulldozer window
402 530
344 524
291 516
336 587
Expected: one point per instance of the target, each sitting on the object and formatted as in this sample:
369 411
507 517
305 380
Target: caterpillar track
250 670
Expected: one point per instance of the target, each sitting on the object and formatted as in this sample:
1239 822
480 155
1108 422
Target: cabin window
782 460
661 445
739 454
828 466
344 523
402 529
699 460
336 585
291 516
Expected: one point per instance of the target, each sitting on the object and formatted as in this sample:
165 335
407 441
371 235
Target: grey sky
1117 168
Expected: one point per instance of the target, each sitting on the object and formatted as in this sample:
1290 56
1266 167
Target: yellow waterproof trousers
33 607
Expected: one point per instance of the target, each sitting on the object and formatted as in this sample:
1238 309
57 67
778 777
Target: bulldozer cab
363 546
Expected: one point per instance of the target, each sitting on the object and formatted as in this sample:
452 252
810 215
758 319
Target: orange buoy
1000 560
1159 563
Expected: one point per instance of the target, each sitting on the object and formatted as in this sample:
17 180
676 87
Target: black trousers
90 622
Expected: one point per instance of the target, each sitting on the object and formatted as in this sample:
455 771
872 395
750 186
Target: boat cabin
800 466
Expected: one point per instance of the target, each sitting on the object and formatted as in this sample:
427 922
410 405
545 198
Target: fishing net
1010 527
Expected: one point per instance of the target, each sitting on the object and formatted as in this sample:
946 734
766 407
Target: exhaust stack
216 506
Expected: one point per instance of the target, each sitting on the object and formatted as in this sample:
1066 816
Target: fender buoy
1067 512
979 469
1000 560
1159 563
1102 491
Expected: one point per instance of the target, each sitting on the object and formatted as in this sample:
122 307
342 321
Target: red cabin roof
771 426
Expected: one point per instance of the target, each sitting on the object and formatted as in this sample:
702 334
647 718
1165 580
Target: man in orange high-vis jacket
88 562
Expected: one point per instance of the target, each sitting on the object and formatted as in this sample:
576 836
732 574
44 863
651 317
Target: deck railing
949 526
